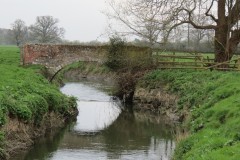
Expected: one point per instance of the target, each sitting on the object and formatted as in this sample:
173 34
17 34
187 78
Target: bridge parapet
54 57
47 53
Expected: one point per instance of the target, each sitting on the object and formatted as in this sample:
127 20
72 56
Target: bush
115 56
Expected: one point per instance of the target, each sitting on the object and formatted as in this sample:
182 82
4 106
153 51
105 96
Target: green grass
213 100
25 94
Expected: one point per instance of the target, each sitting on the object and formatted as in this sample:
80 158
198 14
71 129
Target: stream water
103 131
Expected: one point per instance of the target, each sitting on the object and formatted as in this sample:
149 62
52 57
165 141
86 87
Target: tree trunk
220 46
221 42
225 46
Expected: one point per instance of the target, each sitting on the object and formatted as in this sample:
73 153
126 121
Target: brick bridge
56 57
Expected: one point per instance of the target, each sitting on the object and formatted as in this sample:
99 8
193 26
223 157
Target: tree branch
190 21
235 13
210 15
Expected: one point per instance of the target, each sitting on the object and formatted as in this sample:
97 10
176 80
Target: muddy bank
157 101
20 135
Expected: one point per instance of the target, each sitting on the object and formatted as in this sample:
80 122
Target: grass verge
25 94
212 99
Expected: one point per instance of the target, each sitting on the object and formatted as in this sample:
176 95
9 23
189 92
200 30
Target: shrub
115 56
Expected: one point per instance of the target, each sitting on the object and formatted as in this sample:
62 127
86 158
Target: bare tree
19 31
222 16
143 18
46 30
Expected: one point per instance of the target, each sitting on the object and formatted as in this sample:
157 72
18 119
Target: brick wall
51 55
33 53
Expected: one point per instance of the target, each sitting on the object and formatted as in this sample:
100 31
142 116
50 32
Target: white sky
82 19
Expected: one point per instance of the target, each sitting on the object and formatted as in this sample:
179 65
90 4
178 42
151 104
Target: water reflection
96 108
131 137
95 116
119 135
86 91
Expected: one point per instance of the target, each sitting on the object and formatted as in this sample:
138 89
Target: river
104 131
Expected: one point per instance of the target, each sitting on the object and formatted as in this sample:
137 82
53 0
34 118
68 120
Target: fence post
195 59
174 59
202 60
238 64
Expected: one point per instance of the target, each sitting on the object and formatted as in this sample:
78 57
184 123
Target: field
24 93
212 100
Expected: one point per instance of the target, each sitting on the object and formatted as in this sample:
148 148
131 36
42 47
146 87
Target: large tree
222 16
19 30
46 30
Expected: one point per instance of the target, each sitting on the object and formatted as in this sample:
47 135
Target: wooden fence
176 60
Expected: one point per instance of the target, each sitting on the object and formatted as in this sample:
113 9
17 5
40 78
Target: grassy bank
25 94
213 102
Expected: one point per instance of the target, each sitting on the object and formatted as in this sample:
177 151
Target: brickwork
42 53
55 57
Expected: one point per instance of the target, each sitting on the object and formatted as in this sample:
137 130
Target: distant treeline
7 37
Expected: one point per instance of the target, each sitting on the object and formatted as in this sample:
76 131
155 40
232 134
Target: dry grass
181 135
19 135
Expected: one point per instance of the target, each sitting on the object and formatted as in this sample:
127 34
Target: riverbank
29 104
207 104
210 103
103 131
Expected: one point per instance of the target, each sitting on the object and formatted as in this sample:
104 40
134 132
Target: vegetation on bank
212 99
25 94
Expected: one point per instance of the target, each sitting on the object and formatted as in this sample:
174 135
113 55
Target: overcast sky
82 19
